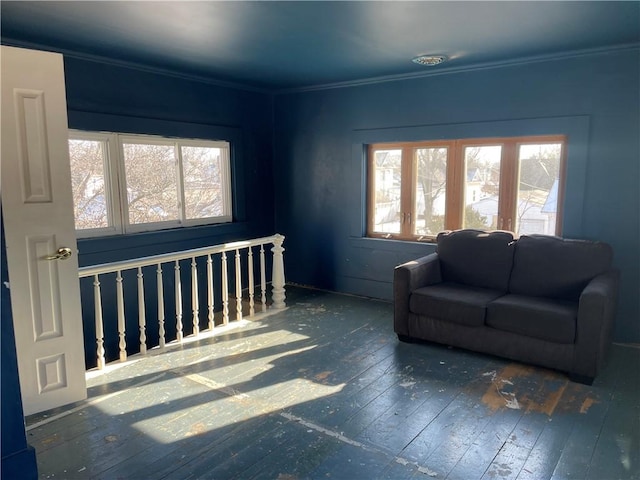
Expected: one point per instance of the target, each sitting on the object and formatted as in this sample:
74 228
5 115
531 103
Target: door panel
37 208
32 148
45 288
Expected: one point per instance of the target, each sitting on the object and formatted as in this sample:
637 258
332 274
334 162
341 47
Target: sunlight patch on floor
259 402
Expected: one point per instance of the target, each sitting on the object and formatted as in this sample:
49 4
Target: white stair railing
172 261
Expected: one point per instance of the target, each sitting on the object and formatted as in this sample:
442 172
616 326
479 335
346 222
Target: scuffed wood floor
324 390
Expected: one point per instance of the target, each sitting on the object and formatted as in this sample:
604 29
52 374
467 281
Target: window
131 183
418 189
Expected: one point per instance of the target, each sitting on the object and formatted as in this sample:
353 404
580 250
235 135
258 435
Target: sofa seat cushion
453 302
547 319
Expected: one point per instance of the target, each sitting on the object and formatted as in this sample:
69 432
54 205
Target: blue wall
320 171
103 97
113 98
18 459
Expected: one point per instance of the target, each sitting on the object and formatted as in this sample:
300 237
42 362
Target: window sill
392 245
113 248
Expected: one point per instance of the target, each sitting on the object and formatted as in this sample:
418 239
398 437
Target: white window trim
112 186
114 171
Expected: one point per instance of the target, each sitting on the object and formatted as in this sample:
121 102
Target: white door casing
37 208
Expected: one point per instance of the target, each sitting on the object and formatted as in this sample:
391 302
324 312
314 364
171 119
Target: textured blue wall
319 161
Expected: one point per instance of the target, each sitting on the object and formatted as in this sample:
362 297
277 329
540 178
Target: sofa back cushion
477 258
553 267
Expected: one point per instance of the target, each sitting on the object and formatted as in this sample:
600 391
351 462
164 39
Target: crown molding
437 71
135 66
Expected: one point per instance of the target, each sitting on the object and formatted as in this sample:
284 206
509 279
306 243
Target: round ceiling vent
429 60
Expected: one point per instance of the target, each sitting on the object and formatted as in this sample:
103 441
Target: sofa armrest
596 317
406 278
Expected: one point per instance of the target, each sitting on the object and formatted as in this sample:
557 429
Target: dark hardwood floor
325 390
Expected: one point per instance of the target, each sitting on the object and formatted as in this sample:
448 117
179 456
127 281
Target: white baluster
225 291
210 291
238 287
277 281
277 299
142 319
122 344
263 279
97 302
194 297
178 294
251 285
161 332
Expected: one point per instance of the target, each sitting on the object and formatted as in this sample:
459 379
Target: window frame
116 186
455 184
226 182
111 181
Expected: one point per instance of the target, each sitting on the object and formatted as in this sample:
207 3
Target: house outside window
417 189
131 183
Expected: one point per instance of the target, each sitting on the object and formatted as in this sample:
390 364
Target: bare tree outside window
88 183
539 172
202 177
482 186
133 183
431 184
420 188
388 179
151 178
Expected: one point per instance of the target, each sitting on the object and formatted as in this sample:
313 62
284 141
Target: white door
37 208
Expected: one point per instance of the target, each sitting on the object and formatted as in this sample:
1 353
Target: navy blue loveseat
537 299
